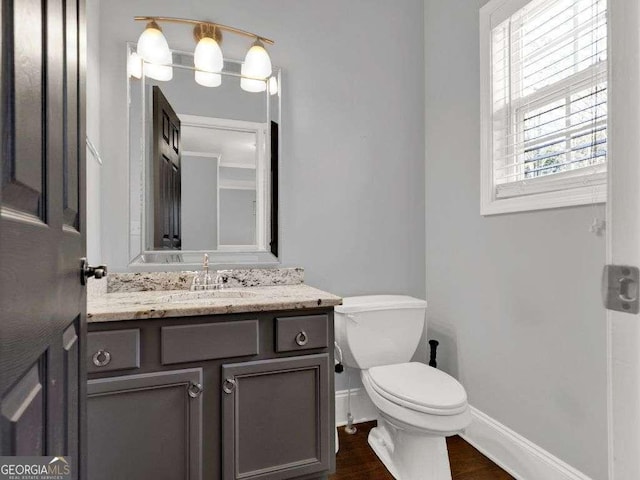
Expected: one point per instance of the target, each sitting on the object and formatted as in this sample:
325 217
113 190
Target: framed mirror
204 161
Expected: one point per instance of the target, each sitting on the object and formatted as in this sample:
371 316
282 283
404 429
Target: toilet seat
419 387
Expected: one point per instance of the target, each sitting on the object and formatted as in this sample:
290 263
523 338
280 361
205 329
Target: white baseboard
514 453
361 407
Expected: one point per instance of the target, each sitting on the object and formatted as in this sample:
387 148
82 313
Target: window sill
583 195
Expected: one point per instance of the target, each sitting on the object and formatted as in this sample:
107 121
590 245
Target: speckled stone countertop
241 277
180 303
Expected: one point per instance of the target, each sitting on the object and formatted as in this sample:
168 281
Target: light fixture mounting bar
201 22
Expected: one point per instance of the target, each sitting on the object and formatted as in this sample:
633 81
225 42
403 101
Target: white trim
515 454
235 248
552 183
258 185
237 185
238 165
94 151
498 11
201 154
219 123
512 452
362 408
542 201
623 237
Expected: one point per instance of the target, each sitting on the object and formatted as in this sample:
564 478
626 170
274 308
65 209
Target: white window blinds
548 125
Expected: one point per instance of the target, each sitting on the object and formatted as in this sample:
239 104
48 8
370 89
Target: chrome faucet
204 281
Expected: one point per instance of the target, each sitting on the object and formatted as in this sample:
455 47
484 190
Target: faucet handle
221 278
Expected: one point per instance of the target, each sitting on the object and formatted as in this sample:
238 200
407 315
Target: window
544 104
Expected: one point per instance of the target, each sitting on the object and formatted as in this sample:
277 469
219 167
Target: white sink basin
203 296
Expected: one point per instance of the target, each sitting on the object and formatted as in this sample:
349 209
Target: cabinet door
146 427
276 418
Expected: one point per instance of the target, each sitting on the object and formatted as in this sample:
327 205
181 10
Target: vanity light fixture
154 50
257 62
249 84
160 71
134 65
274 88
152 46
207 57
208 79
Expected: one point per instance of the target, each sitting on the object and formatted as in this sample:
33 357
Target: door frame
623 236
262 186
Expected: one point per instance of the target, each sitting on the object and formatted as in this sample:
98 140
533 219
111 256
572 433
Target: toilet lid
371 303
419 387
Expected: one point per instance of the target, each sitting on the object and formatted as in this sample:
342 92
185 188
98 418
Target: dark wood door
42 229
275 163
166 174
146 426
275 421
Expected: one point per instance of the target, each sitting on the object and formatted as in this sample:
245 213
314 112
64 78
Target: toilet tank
378 330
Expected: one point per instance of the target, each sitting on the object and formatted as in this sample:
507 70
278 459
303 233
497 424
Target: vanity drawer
302 333
115 350
208 341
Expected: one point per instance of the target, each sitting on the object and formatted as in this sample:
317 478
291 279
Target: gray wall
237 217
199 202
514 298
352 178
352 166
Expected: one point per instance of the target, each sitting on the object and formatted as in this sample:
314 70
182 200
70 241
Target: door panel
71 364
274 416
24 162
166 174
22 416
275 164
72 147
42 319
151 414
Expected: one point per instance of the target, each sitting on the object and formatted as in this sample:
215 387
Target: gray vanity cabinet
261 404
146 426
275 418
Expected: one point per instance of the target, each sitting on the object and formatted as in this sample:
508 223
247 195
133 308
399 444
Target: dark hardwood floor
356 460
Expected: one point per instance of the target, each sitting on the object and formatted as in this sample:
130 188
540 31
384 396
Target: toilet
418 405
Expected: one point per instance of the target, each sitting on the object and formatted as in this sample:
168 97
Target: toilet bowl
418 405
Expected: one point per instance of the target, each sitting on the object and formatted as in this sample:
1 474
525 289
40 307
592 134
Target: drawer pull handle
195 389
101 358
229 385
302 339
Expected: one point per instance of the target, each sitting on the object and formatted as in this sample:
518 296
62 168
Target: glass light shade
152 46
208 79
250 84
134 65
257 61
162 71
273 86
208 55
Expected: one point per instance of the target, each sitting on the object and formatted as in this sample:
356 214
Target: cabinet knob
229 385
302 339
195 389
101 358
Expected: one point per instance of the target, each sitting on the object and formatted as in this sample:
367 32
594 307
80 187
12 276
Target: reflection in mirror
203 164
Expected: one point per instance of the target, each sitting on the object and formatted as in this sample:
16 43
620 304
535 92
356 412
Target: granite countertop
183 303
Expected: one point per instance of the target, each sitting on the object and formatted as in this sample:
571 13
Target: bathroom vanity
221 384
